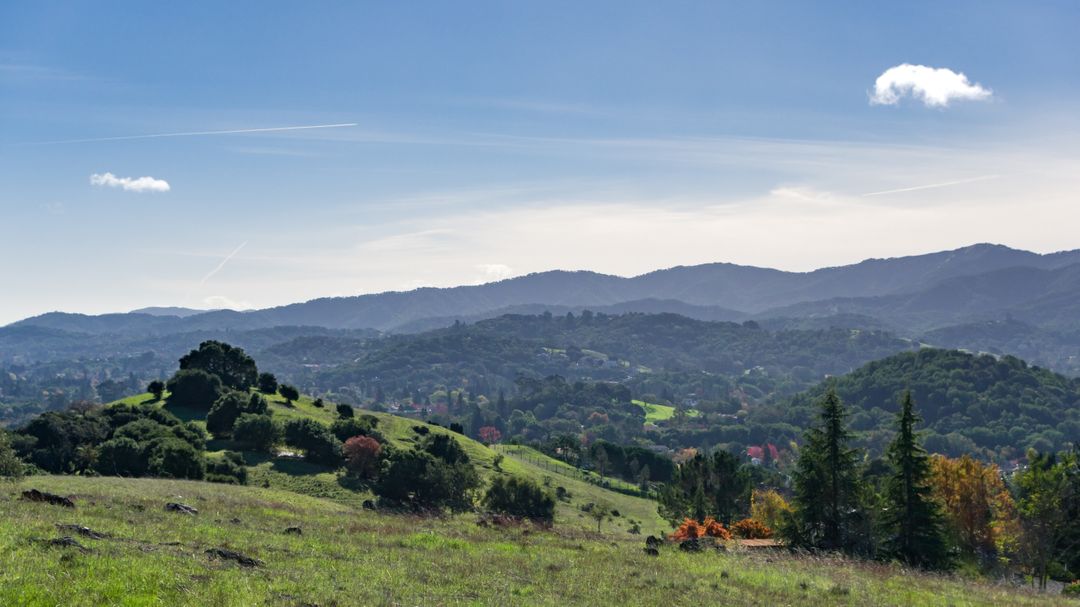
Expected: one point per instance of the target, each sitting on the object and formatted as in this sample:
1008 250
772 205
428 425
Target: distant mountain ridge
914 293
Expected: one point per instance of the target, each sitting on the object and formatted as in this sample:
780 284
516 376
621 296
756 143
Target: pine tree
826 484
913 519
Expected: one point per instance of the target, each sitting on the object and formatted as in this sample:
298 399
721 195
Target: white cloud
221 302
130 184
935 87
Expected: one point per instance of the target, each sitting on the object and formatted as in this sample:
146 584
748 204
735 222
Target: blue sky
493 139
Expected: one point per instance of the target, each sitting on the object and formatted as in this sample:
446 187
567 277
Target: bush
173 458
1072 589
229 469
120 456
362 455
319 445
257 432
345 411
751 529
691 529
520 497
194 389
364 425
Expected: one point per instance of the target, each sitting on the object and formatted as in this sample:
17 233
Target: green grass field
658 413
347 556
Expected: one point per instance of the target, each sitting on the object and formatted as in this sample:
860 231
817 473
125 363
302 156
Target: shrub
751 529
1072 589
520 497
362 455
229 469
257 432
418 479
120 456
364 425
688 530
318 403
319 445
713 528
345 411
173 458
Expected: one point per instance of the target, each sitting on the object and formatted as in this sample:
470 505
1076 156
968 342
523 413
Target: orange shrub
688 530
713 528
751 529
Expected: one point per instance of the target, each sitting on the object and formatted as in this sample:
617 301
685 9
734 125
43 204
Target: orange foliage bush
688 530
750 529
691 529
713 528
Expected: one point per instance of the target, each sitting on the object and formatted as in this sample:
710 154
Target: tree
289 393
174 458
236 369
224 413
362 456
769 508
156 388
520 497
319 445
826 497
980 515
257 432
194 389
120 456
345 411
268 383
11 468
490 435
599 512
1042 487
714 485
912 518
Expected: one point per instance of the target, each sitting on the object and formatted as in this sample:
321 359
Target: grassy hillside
351 557
298 476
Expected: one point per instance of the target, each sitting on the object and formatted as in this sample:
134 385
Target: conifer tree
913 519
826 484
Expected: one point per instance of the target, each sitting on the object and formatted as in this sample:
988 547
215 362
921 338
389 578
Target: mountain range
949 298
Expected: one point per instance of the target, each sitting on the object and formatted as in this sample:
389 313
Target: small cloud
935 87
496 271
130 184
221 302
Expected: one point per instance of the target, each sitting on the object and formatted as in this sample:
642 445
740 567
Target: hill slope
146 555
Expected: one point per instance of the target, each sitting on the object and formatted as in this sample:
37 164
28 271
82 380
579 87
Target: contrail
222 264
198 133
933 185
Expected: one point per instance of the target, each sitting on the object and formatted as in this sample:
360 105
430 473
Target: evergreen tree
826 484
913 520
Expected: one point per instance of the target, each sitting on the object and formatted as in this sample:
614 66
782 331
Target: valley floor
343 556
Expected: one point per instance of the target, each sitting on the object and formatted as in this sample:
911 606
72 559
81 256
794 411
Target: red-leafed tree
490 435
362 456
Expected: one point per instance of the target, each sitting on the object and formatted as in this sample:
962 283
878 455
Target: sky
152 153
